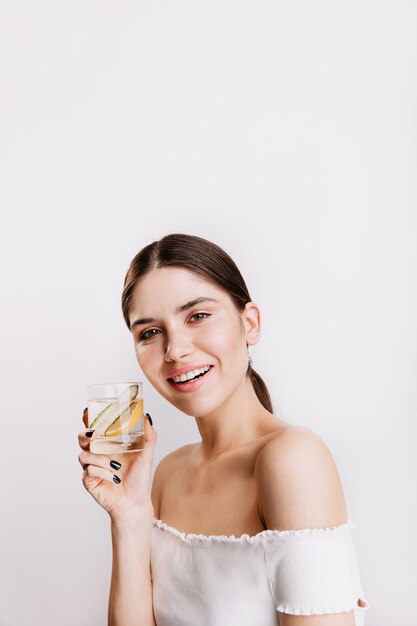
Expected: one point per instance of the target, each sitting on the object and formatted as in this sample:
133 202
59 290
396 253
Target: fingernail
116 479
89 433
115 465
149 418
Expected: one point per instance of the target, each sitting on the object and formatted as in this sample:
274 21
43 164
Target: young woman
247 527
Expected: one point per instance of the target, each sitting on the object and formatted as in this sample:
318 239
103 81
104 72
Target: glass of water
115 411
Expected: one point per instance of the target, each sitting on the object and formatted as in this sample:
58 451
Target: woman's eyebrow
180 309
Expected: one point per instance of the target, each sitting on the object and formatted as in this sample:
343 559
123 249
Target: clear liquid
116 445
119 425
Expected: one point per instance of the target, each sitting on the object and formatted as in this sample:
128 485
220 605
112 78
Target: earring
250 359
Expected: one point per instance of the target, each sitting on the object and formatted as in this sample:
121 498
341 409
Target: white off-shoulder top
220 580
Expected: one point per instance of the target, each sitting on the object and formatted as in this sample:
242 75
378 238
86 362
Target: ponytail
261 389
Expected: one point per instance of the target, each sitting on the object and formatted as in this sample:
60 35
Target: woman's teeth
184 378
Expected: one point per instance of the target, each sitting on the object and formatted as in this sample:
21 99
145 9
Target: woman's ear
251 318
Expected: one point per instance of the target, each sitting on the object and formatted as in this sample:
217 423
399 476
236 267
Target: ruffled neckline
215 539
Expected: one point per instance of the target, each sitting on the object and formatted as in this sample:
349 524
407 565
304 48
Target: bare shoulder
298 482
177 454
165 468
287 440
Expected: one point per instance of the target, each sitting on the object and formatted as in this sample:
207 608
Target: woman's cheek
144 359
221 339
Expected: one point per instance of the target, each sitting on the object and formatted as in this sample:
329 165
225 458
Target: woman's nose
178 349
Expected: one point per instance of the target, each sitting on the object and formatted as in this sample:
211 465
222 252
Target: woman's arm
130 600
334 619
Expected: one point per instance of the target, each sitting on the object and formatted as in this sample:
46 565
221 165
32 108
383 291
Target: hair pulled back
204 258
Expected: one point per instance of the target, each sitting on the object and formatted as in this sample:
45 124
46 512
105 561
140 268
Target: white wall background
286 133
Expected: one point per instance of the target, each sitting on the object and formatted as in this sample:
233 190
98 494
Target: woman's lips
193 385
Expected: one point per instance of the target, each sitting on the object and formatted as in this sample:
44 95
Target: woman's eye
201 318
144 337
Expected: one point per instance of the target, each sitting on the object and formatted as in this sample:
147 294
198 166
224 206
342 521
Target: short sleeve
314 571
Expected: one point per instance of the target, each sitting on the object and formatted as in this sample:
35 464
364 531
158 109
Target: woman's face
208 332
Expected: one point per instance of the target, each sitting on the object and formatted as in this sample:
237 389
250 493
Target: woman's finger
83 440
85 417
98 460
92 471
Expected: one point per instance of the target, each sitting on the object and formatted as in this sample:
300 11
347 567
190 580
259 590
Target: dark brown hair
202 257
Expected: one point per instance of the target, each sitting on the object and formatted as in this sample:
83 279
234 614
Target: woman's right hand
134 490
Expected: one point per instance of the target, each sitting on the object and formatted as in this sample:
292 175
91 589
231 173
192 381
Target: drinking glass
115 411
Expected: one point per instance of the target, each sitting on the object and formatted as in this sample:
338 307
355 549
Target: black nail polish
89 433
116 465
116 479
149 418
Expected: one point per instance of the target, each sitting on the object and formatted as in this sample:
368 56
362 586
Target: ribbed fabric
223 580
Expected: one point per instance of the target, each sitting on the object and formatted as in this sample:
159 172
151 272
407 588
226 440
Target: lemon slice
125 422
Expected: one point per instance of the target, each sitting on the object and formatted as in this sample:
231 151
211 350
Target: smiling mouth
171 380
